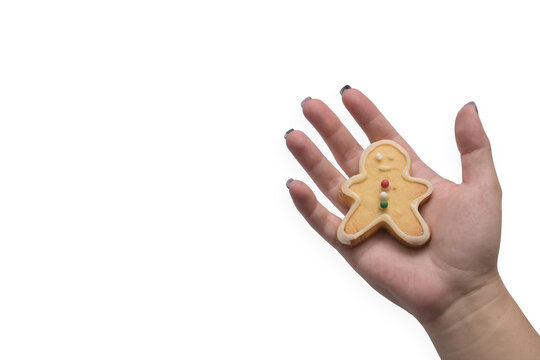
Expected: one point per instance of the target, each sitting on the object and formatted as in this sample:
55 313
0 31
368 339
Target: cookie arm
350 199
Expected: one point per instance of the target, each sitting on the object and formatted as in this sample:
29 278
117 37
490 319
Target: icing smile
385 168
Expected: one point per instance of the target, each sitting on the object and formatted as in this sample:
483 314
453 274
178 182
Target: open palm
465 219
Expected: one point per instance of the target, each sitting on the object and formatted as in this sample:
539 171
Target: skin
452 285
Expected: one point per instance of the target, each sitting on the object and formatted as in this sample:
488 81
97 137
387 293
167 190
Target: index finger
376 127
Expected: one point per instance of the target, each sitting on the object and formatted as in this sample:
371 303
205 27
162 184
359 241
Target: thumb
473 144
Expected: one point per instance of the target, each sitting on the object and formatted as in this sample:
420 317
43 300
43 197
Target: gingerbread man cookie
384 194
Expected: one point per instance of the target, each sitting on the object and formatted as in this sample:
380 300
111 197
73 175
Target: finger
473 144
342 144
366 114
376 127
324 174
321 220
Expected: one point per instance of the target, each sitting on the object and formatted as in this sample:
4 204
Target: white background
143 208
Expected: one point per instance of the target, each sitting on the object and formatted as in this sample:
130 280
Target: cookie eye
391 157
378 156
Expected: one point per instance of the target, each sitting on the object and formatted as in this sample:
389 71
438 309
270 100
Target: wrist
484 324
458 325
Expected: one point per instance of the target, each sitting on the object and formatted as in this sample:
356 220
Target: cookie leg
409 229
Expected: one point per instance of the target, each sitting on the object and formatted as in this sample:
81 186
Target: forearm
486 324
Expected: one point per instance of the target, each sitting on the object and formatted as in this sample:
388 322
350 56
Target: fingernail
288 183
346 87
475 107
304 101
288 132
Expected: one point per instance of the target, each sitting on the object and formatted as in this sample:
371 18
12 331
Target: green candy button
384 204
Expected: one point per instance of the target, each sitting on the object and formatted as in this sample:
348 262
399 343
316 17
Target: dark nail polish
346 87
288 132
304 101
473 103
288 183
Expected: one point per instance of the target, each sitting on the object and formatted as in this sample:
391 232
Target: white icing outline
347 239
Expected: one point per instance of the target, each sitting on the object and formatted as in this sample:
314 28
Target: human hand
465 219
451 285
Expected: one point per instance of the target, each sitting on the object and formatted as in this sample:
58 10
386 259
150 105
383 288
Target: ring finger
344 147
324 174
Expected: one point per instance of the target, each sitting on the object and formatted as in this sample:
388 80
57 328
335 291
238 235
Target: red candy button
385 184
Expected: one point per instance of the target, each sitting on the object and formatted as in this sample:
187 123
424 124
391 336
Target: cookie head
385 159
